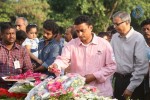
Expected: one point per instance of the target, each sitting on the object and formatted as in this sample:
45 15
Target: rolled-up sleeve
140 67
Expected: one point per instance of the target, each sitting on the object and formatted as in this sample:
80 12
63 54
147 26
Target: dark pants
120 84
147 95
147 88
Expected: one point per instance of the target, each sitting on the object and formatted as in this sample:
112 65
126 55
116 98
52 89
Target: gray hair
123 15
24 19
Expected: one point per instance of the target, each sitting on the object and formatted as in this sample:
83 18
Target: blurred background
65 11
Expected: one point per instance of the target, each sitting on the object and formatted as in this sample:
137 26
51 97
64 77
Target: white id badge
16 64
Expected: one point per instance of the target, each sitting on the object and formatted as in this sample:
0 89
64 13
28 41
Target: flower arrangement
54 88
64 84
68 87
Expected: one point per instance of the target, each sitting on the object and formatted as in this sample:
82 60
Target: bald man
21 23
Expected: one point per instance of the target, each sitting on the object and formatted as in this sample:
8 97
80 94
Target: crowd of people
116 61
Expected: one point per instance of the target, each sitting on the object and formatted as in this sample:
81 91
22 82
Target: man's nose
18 28
80 33
146 30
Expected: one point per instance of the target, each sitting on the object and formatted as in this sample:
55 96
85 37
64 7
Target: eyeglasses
117 24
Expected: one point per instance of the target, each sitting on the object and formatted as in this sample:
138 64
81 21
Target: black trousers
120 84
147 95
147 88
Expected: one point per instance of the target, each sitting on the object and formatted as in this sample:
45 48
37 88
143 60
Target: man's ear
91 27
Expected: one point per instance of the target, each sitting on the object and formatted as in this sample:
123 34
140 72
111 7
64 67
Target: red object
28 74
4 92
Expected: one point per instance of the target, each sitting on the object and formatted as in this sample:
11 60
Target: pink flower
64 92
93 89
37 82
56 71
56 86
70 89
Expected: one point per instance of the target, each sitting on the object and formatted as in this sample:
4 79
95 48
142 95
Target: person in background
146 30
0 30
70 34
130 53
49 48
88 55
21 23
20 37
59 38
31 44
105 35
1 23
111 30
145 25
14 59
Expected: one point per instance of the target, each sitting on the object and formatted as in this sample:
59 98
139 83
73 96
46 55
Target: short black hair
145 22
83 19
21 35
73 32
61 30
7 25
102 34
51 26
111 29
28 28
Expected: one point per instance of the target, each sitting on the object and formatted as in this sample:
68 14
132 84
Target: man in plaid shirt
14 58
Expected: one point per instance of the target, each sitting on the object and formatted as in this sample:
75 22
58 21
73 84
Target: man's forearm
40 69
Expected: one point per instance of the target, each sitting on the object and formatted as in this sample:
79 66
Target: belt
128 75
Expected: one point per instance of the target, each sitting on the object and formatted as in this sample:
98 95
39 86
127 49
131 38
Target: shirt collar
15 46
94 40
50 41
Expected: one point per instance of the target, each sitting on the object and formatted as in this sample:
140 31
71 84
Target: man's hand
127 94
54 69
89 78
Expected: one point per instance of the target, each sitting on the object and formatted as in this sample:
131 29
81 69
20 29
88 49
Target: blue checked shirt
48 53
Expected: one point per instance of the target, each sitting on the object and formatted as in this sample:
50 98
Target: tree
64 11
34 10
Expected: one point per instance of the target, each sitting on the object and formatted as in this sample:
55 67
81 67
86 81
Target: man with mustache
48 48
14 58
146 33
